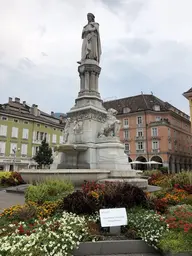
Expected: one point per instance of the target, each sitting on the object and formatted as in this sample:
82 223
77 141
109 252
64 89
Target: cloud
146 47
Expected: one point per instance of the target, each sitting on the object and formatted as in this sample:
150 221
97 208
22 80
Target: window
48 138
33 151
2 147
45 136
37 136
14 133
139 120
3 130
126 110
126 134
36 150
45 126
61 139
127 147
154 131
25 134
157 118
169 132
169 145
26 122
54 129
155 145
38 125
54 138
16 120
139 132
156 108
4 118
125 122
12 148
41 135
24 149
140 145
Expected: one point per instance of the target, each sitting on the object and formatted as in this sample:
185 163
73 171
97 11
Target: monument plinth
91 134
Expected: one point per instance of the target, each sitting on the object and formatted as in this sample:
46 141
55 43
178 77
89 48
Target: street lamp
15 150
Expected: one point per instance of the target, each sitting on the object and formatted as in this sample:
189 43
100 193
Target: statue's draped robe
91 47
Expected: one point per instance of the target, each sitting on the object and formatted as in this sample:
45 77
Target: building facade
154 130
22 128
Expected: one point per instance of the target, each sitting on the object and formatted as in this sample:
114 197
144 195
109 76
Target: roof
136 103
140 102
24 111
190 90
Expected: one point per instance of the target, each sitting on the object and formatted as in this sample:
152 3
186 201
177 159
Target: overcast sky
146 44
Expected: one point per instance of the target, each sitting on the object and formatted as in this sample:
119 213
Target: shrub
152 172
80 203
113 195
48 190
175 242
13 179
182 178
164 169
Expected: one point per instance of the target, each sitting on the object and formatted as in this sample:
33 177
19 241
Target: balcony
127 152
126 139
140 151
140 125
125 126
139 138
155 137
37 142
155 151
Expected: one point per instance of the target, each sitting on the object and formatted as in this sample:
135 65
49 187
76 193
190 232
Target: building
22 128
188 96
154 130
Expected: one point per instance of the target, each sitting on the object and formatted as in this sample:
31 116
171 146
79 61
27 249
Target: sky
146 47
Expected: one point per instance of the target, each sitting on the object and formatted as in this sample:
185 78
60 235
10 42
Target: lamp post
15 150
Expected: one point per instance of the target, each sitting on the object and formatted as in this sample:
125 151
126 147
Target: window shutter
2 147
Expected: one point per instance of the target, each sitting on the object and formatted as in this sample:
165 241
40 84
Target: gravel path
10 199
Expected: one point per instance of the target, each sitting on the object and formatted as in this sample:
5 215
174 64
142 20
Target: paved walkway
10 199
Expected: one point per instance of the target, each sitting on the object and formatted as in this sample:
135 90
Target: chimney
17 100
34 110
52 113
24 103
10 99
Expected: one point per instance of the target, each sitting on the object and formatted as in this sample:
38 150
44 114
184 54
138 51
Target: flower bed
57 227
10 179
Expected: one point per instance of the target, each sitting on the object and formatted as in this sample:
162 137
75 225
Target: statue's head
90 17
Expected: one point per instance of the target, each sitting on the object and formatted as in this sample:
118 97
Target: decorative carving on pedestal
111 126
78 127
66 130
88 114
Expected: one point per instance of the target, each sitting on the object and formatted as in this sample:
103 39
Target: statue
66 130
111 127
91 47
78 127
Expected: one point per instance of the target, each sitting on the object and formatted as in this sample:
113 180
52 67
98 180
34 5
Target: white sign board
113 217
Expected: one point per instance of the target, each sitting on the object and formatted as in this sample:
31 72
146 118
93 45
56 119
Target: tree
44 155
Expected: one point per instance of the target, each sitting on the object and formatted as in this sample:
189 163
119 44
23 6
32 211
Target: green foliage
176 242
164 169
182 178
44 155
49 190
152 172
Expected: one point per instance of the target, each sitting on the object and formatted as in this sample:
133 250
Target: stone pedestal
87 121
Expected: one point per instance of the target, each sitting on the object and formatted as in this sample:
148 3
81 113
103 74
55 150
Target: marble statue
111 126
78 127
66 130
91 47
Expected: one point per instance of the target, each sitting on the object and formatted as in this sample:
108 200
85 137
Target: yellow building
22 128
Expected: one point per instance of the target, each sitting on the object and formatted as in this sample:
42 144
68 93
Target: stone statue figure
66 130
111 127
91 47
77 127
